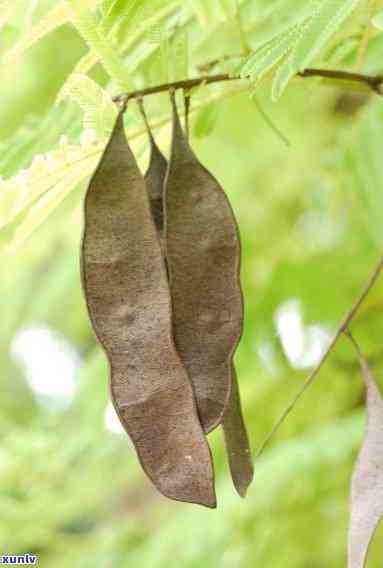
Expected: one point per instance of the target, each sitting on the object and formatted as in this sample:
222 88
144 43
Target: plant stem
342 328
374 82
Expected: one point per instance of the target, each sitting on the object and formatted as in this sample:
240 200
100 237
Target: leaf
59 15
87 25
99 109
367 480
82 67
56 17
133 10
43 174
325 19
39 212
37 135
269 54
281 79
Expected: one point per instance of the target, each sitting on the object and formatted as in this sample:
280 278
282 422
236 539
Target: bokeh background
71 490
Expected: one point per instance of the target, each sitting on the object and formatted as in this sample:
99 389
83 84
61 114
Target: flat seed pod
155 177
128 299
237 442
203 258
367 480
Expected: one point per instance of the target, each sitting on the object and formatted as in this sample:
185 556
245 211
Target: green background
71 490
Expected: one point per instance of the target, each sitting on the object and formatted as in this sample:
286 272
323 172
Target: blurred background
71 489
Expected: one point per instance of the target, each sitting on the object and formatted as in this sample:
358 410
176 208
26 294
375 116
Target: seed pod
128 299
236 438
237 442
155 177
203 258
367 479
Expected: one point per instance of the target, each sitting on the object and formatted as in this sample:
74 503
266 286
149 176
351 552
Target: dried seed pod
155 177
367 479
237 442
128 299
203 258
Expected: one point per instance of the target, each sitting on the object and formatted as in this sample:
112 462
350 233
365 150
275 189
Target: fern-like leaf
266 57
87 25
326 18
98 107
45 172
83 66
39 212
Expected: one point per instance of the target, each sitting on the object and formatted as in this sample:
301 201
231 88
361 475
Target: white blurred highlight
302 345
50 363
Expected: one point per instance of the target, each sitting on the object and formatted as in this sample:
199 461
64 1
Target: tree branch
342 328
373 82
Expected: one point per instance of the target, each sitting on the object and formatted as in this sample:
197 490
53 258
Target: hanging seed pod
237 442
367 479
203 258
155 177
128 299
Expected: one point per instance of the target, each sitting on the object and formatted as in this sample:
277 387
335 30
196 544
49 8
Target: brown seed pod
203 258
155 177
237 442
127 294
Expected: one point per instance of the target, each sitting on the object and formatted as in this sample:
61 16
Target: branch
187 84
373 82
342 328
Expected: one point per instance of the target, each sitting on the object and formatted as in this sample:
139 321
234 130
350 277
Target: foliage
309 218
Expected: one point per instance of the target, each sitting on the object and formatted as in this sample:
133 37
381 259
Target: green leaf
281 79
45 172
99 109
48 202
56 17
266 57
87 25
83 66
326 18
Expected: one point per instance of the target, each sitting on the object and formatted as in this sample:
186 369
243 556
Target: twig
270 122
205 67
374 82
186 85
343 326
